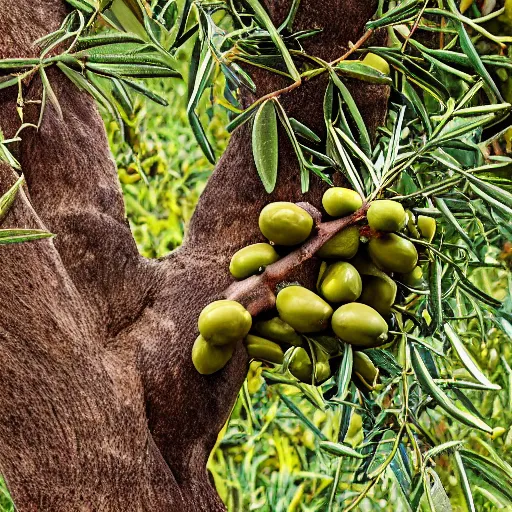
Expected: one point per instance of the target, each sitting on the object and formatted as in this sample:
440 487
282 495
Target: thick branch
257 293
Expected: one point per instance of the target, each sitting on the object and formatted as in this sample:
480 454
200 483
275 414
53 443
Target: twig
257 293
355 47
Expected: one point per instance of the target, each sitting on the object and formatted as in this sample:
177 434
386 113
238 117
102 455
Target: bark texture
101 406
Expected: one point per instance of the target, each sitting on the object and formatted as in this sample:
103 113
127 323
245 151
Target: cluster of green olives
355 292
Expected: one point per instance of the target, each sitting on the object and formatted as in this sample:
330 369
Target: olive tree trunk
101 407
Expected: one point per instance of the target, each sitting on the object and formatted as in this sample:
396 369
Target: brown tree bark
101 406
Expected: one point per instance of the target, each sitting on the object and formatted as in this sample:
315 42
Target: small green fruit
386 215
285 223
411 224
339 201
208 358
359 325
344 245
393 253
266 350
413 278
300 365
427 227
223 322
341 282
248 260
304 310
364 368
379 293
377 62
277 330
322 366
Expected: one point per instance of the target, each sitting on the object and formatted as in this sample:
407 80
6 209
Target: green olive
377 62
393 253
427 227
359 325
411 224
285 223
300 365
379 293
355 434
247 261
364 368
339 201
223 322
277 330
266 350
322 366
413 278
386 215
304 310
344 245
208 358
321 272
341 282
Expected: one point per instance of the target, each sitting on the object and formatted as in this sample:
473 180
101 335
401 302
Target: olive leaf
430 387
265 145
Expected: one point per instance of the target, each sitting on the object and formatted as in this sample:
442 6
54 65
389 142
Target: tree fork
102 407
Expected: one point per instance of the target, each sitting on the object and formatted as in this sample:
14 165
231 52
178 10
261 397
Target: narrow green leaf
265 145
265 20
8 198
436 293
303 130
441 204
469 49
468 362
434 452
364 136
344 376
14 236
296 410
430 387
359 71
466 488
340 450
50 93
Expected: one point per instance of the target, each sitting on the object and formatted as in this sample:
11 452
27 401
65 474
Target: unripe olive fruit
223 322
322 366
261 348
344 245
304 310
427 227
386 215
248 260
377 62
285 223
355 434
339 201
365 369
277 330
393 253
359 325
413 278
341 282
208 358
301 366
378 293
411 224
322 371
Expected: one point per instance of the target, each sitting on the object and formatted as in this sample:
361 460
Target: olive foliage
439 154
